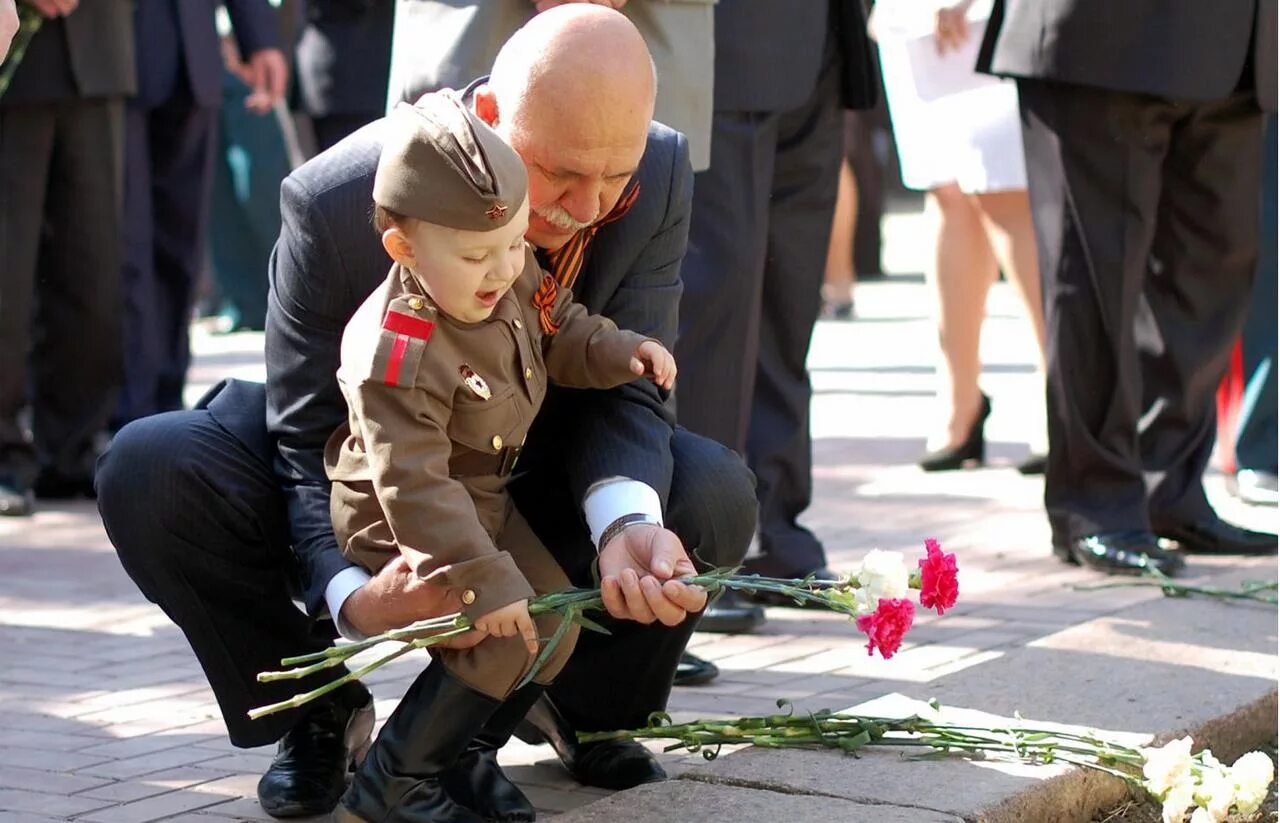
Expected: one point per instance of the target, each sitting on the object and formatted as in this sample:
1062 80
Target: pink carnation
887 625
938 585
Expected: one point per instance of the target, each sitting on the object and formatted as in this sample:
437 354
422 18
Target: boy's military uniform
439 408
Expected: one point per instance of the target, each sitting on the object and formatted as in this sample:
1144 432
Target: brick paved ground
105 715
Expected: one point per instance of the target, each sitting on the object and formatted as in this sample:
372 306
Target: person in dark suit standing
757 248
61 151
170 137
344 62
605 479
1143 147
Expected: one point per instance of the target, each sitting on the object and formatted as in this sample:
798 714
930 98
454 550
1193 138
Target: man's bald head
573 93
578 60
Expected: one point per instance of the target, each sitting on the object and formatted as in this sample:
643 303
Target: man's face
467 272
578 167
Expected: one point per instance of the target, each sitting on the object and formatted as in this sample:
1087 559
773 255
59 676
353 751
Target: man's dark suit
201 521
1142 128
757 246
170 143
344 62
61 150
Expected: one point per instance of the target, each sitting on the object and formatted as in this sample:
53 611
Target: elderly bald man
216 512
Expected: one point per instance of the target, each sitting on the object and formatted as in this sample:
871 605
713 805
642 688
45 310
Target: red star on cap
496 211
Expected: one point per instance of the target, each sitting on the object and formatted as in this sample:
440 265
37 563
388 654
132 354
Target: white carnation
1179 797
1216 792
1251 775
883 574
1167 766
1201 816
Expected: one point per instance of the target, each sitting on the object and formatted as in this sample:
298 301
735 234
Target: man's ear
486 104
398 246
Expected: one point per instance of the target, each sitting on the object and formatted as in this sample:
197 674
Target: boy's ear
398 246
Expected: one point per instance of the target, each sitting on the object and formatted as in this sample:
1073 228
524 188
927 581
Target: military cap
442 164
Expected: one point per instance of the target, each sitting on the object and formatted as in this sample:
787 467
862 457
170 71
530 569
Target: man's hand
636 571
396 597
951 27
543 5
8 25
53 8
268 75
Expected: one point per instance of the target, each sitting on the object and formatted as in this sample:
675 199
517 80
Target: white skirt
951 124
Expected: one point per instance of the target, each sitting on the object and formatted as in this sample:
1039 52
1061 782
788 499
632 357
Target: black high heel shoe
974 447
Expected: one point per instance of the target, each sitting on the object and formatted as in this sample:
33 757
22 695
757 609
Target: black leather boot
477 781
427 734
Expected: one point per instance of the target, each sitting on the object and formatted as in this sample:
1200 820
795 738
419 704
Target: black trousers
169 155
191 503
752 281
60 213
1146 218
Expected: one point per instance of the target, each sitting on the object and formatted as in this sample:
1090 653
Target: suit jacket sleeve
254 24
431 515
306 313
627 431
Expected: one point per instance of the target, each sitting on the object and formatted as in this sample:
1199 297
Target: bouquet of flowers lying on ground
1173 775
875 597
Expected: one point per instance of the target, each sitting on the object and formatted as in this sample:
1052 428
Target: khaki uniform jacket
437 411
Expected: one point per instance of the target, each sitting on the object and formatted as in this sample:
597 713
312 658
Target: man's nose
583 201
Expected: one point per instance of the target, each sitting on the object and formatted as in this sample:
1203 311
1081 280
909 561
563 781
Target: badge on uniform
404 337
474 382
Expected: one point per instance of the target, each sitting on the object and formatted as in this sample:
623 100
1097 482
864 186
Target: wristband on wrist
616 527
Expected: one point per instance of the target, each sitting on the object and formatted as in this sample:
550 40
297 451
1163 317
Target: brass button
528 373
468 597
517 323
416 303
497 442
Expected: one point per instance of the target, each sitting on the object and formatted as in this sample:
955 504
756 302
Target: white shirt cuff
341 586
610 499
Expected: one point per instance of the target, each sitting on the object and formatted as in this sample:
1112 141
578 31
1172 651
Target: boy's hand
510 621
656 362
54 8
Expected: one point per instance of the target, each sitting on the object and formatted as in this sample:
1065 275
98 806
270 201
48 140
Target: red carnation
938 584
886 626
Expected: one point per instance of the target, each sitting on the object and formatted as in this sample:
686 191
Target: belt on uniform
480 464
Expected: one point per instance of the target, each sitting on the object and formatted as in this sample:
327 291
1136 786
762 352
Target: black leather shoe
694 671
54 485
1125 553
16 500
729 614
617 765
609 764
309 772
772 599
1033 465
1217 536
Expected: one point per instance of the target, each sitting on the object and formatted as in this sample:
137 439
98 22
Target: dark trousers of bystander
1146 216
60 181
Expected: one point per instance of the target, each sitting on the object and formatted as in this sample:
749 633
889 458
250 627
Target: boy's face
465 272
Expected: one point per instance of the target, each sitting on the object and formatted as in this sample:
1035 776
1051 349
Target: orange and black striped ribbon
565 263
544 301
